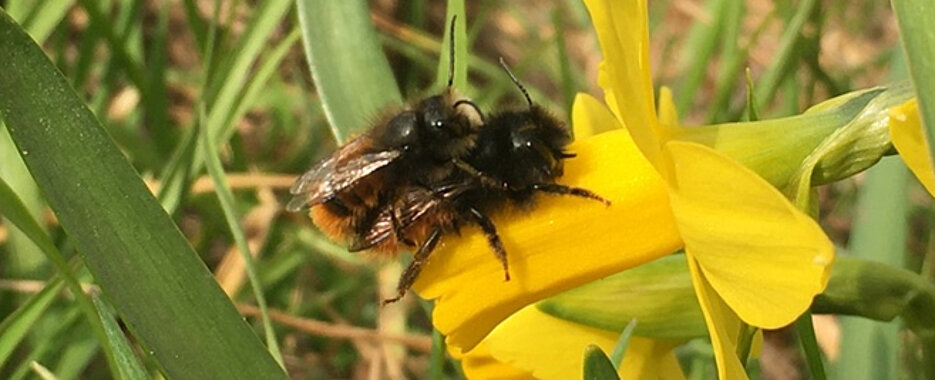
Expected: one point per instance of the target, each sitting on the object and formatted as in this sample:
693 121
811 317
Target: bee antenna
451 51
516 81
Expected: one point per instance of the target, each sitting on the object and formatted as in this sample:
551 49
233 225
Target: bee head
537 142
448 124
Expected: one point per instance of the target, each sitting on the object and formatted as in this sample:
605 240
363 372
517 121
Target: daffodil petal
623 32
564 242
549 347
763 256
909 139
668 114
650 359
480 364
589 117
723 325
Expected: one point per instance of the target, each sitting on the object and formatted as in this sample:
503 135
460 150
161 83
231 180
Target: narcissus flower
533 344
754 256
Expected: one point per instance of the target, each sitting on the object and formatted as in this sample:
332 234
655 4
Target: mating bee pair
431 168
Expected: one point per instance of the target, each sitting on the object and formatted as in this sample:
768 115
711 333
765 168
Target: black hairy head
522 147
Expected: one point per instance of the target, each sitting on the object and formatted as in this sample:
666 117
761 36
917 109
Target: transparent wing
343 169
411 205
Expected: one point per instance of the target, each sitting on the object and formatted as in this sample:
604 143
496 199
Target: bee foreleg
418 261
554 188
490 231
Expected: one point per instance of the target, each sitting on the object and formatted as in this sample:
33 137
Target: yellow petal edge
623 32
548 347
764 257
723 325
909 139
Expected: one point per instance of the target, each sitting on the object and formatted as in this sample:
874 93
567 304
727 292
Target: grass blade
785 57
870 350
455 9
128 365
226 198
137 255
20 217
350 71
46 17
15 326
701 43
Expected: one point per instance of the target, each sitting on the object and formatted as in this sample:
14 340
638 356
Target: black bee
425 142
517 154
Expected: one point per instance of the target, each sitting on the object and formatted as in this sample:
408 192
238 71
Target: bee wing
411 205
336 173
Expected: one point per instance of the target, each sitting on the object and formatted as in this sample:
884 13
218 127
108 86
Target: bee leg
418 261
554 188
490 231
484 179
398 231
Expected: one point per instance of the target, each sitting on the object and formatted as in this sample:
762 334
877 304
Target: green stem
882 292
745 342
812 354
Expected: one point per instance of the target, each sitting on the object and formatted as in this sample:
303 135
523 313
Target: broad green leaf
137 255
350 71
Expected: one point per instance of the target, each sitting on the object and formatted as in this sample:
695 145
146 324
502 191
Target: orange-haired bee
422 143
517 154
432 168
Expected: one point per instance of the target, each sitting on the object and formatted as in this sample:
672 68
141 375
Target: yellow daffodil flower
754 256
747 244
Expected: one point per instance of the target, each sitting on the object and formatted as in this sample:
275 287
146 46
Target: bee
517 154
347 190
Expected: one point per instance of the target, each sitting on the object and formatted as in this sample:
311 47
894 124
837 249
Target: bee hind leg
415 267
554 188
398 231
493 239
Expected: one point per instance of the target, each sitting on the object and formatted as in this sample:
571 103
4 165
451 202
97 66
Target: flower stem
812 354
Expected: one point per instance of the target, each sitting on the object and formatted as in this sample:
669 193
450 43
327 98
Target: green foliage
116 92
597 365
